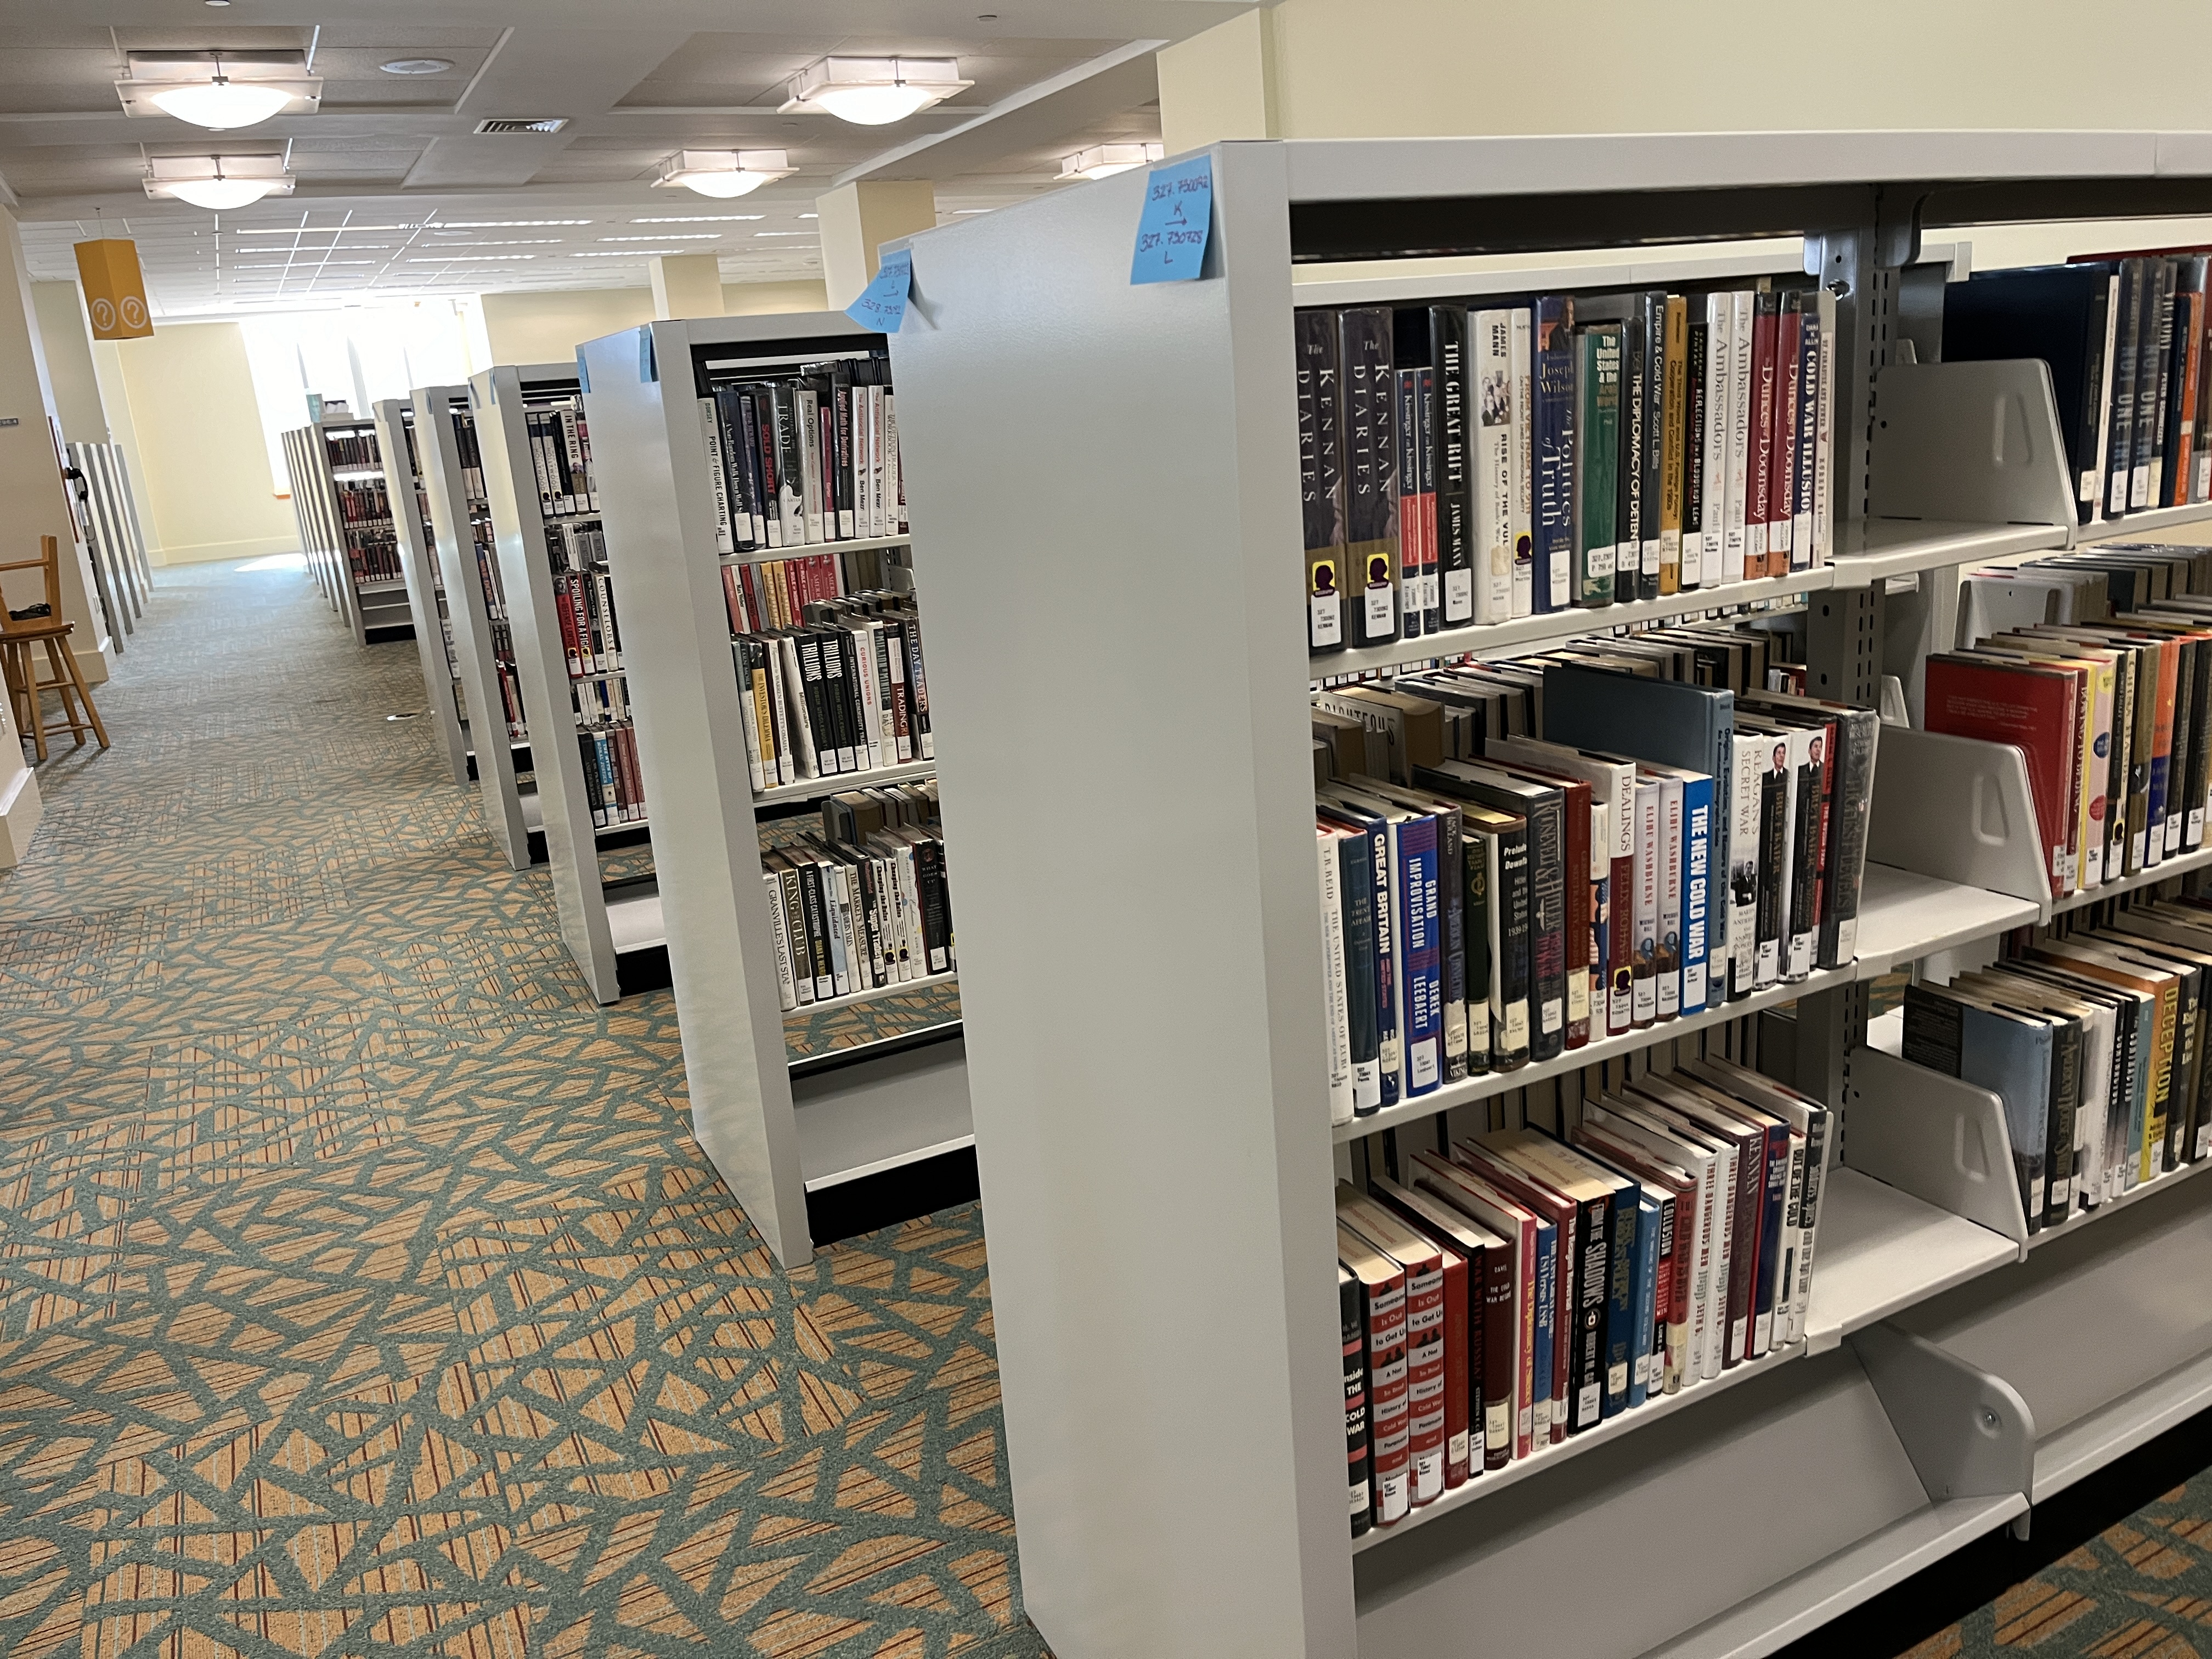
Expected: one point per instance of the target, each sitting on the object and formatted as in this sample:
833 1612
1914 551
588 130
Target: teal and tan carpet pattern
361 1289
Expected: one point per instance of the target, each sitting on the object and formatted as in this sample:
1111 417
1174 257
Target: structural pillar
858 218
1220 84
31 468
687 285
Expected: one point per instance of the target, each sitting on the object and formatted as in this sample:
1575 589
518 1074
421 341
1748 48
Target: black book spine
1454 540
2155 365
1370 453
2185 715
1356 880
2094 407
1510 1047
1352 1316
749 463
936 905
917 680
1655 445
1628 486
842 398
1548 1031
1451 908
2172 1153
2200 749
1773 856
1321 480
2122 463
1475 857
1933 1034
1593 1290
818 928
2067 1042
818 711
1855 735
730 416
835 688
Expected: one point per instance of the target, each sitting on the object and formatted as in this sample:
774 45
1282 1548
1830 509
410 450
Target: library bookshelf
612 929
1145 1067
447 705
498 755
778 1130
107 524
346 523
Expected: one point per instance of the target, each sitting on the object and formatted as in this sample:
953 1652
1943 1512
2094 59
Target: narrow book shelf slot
2083 1447
1904 915
876 992
2138 524
1484 1085
838 783
1484 637
1551 1457
613 828
801 549
1881 1250
1868 551
597 674
2179 863
2165 1181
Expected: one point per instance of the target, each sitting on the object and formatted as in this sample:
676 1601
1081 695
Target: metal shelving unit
775 1137
613 929
498 755
376 610
1150 1114
426 589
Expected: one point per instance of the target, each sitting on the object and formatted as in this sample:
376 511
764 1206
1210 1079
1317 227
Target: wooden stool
17 666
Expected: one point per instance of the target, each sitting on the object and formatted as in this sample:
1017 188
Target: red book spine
1426 1377
1759 493
756 618
733 600
1781 508
2185 466
633 782
567 621
2034 712
1388 1405
794 590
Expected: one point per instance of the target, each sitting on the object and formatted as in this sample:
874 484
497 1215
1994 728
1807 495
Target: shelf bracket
1969 1434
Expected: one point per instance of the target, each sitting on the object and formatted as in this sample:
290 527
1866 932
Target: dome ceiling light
220 90
723 174
1104 160
219 183
870 92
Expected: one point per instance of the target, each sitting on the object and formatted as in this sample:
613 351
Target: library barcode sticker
1178 213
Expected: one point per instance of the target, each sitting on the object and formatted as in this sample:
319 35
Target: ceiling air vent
519 124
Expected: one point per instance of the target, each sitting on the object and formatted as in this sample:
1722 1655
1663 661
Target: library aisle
359 1284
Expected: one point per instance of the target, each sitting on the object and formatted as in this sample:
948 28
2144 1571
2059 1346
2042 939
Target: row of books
1516 1289
761 594
1493 899
584 599
843 692
466 451
351 449
864 903
509 681
373 552
2126 339
614 786
561 459
363 500
804 459
1462 467
2113 719
2094 1036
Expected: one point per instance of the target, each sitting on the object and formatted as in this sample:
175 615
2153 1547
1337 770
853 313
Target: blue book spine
1620 1302
1770 1240
1548 1410
1697 890
1422 954
1648 1378
1388 1047
1552 495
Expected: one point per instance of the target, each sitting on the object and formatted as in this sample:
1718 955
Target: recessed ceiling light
701 219
500 224
624 253
417 66
470 258
783 233
672 236
810 215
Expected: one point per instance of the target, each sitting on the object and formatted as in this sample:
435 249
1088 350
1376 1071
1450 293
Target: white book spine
1712 537
807 761
1824 437
717 476
1521 425
1667 968
786 989
1646 930
1737 524
751 711
894 469
1490 465
1789 1311
1336 1005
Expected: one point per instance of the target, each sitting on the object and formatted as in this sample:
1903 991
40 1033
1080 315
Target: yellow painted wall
67 340
767 299
205 467
547 327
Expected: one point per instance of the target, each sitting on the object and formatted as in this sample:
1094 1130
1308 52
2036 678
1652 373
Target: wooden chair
19 636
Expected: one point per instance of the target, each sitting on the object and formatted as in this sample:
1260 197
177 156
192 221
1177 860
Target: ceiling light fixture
1104 160
871 91
417 66
500 224
701 219
218 183
723 174
221 90
671 236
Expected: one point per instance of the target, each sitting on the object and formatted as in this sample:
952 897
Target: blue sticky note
882 304
1178 213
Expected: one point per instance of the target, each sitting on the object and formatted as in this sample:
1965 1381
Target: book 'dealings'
1515 1290
1517 858
1465 464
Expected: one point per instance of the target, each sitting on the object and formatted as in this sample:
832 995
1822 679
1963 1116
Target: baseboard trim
20 813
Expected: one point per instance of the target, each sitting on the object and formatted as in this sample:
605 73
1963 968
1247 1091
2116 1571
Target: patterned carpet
2141 1589
361 1289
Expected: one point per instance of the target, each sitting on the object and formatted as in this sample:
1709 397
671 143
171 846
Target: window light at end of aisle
871 91
723 174
1104 160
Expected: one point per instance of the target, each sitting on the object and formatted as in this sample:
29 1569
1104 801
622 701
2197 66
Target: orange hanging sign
114 289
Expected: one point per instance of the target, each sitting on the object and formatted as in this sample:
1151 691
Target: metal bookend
1942 1141
1931 787
1969 1434
1977 442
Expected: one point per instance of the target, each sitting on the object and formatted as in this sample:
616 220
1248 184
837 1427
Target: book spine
1719 377
1390 1437
1674 442
1492 426
1336 1010
1352 1320
1548 929
1455 544
1370 429
1696 418
1511 1041
1406 387
1806 473
1773 1263
1552 489
1646 948
1630 506
2120 481
1697 891
1742 377
1597 461
1424 496
1759 496
1501 1323
1788 385
1320 479
1521 376
1451 920
1427 1437
1415 877
1666 966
